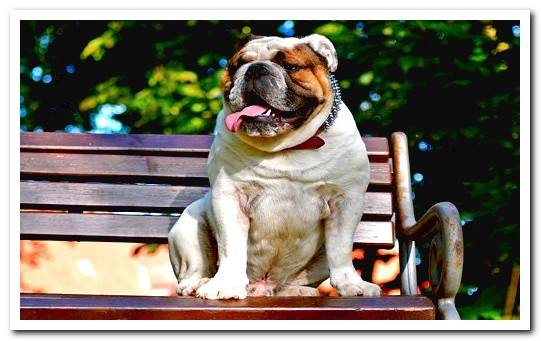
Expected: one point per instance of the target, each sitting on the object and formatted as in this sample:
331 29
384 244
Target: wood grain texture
145 228
116 142
87 307
373 233
113 165
130 168
145 198
377 147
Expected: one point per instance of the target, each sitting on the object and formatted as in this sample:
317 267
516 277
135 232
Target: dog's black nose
257 70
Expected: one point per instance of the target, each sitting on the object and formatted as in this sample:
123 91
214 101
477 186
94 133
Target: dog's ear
240 44
323 47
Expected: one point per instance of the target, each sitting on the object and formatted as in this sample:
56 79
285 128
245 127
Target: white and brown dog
288 171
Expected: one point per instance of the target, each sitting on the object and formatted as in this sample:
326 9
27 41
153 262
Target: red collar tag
315 142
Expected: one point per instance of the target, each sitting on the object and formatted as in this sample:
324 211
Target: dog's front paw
219 288
188 286
361 288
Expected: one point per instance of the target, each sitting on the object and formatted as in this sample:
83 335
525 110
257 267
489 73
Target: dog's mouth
260 112
234 120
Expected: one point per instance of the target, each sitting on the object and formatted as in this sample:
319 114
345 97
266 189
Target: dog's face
273 86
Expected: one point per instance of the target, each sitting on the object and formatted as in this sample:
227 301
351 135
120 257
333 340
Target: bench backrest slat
377 147
143 229
130 168
132 188
144 198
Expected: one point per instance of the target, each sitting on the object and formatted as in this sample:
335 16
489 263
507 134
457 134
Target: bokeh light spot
72 129
44 41
103 121
424 146
37 72
246 30
365 105
472 290
287 28
516 30
490 32
465 220
70 68
374 96
289 24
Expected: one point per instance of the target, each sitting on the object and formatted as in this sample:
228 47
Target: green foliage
107 40
452 85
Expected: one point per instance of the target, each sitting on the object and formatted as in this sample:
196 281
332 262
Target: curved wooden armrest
442 223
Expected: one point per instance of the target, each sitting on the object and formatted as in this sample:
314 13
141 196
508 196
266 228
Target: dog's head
278 89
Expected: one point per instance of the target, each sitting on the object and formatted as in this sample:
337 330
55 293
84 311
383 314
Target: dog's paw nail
358 289
187 287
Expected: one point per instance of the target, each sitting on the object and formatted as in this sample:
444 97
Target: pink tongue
234 119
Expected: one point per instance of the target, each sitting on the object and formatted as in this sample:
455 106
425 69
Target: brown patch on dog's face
293 82
308 73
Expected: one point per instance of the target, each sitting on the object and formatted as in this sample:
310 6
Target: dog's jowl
288 171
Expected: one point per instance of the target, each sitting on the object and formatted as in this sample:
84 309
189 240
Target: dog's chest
278 204
286 227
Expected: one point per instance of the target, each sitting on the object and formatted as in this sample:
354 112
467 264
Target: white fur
284 217
325 48
265 48
303 199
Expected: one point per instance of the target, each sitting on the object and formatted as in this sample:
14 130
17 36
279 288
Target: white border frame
522 15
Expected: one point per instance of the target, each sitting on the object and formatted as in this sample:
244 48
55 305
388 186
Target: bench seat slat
377 147
145 228
145 198
49 306
130 168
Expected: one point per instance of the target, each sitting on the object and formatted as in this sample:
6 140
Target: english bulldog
288 171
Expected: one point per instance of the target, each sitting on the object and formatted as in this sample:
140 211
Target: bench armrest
441 223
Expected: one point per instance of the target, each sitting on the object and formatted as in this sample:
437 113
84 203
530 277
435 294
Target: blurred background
452 86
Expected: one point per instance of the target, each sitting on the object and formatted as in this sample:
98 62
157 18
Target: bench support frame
441 223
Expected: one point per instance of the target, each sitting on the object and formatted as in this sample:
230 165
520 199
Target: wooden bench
73 187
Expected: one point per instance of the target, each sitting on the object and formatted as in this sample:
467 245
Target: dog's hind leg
305 282
315 272
192 249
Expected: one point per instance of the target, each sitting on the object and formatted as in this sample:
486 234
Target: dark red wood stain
73 185
73 307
